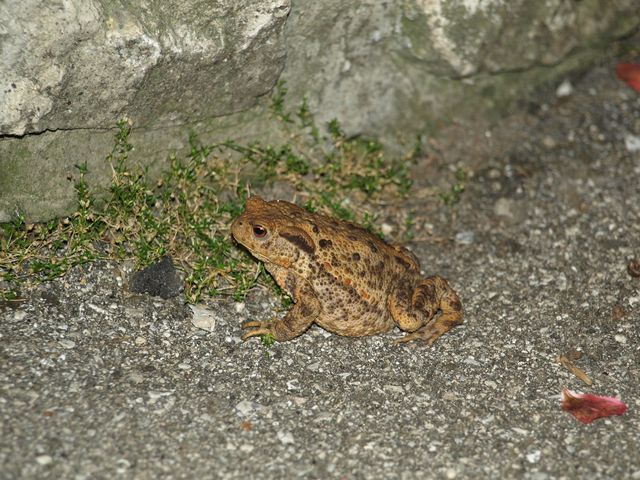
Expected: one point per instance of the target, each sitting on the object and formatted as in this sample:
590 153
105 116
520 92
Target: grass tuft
187 211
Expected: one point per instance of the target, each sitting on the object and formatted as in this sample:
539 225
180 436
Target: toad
341 277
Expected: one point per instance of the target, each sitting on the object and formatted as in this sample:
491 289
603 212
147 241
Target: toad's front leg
295 322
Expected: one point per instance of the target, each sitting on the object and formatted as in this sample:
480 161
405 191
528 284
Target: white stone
247 407
632 143
503 207
394 388
97 309
203 318
154 395
44 459
286 438
620 338
564 89
465 238
386 229
534 456
65 343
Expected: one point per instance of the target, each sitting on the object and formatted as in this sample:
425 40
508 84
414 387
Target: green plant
267 340
409 225
278 102
179 215
452 197
187 211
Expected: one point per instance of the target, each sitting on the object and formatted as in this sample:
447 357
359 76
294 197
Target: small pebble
122 465
564 89
246 407
65 343
394 389
471 361
620 338
465 238
632 143
44 459
97 309
534 456
285 437
503 207
314 367
451 473
203 318
549 142
136 378
154 395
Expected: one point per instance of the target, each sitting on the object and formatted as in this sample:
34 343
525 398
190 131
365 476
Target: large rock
70 69
395 69
79 64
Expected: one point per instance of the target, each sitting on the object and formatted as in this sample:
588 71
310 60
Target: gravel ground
97 382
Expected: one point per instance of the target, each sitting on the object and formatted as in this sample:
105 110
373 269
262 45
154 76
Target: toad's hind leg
415 314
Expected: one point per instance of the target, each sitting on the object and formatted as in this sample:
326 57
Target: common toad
341 277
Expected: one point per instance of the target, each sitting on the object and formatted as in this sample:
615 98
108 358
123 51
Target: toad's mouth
260 257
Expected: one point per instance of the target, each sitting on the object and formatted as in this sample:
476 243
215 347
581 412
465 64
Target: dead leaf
629 73
617 313
569 365
574 355
587 407
633 268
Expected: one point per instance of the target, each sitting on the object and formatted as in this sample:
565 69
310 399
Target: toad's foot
255 328
428 334
434 330
283 329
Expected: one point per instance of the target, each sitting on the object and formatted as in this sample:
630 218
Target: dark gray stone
160 279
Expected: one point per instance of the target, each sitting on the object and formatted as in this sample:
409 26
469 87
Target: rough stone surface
401 68
394 70
98 383
160 64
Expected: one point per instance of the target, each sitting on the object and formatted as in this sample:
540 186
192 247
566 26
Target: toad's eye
259 231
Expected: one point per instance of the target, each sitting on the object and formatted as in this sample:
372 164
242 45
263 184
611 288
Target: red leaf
587 407
630 73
